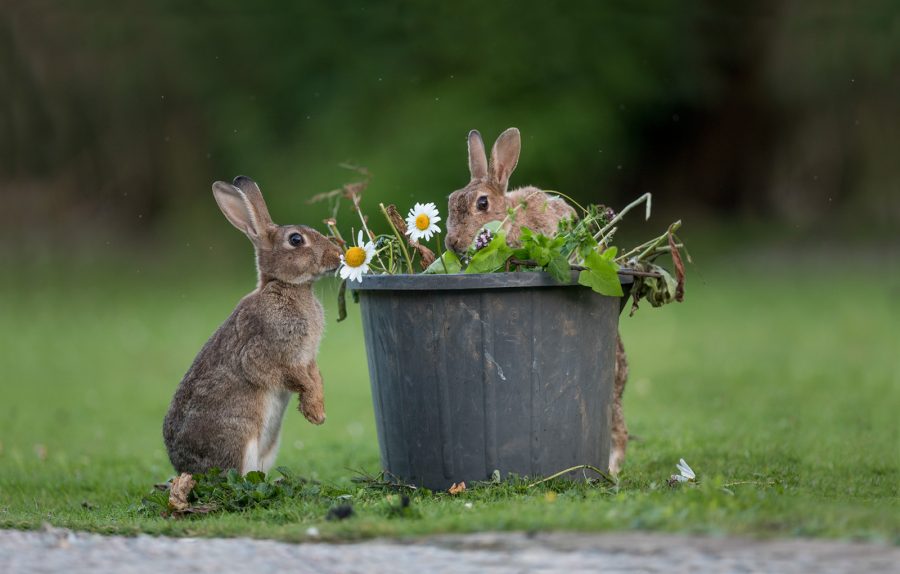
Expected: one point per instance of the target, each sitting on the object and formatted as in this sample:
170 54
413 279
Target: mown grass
776 374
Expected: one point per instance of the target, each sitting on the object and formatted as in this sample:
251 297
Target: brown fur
263 351
619 430
534 209
537 211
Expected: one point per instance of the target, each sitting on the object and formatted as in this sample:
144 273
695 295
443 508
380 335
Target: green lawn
782 377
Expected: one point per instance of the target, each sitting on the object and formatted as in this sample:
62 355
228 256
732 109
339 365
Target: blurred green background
117 116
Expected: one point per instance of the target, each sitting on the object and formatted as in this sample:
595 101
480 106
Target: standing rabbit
227 410
486 199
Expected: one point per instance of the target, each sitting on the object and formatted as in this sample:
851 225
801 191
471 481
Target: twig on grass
602 474
384 480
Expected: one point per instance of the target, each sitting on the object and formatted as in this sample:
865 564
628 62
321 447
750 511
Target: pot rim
465 281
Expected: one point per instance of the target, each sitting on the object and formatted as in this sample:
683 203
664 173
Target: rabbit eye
482 203
295 239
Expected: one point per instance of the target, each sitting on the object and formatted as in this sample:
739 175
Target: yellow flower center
355 256
422 222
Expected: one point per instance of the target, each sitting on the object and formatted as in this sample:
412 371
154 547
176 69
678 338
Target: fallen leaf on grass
457 488
179 492
195 509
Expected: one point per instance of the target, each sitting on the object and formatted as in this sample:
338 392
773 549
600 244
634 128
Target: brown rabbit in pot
227 411
486 199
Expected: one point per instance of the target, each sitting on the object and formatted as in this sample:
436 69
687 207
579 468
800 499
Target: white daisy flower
355 261
420 223
686 473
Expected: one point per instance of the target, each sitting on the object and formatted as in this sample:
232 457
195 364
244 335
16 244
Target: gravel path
59 550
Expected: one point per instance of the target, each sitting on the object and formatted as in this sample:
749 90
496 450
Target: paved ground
57 550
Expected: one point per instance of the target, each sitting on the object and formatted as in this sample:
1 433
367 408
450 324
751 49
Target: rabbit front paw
314 411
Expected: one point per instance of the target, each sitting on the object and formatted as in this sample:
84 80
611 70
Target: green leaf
521 253
559 269
601 274
540 248
587 245
540 254
492 257
448 262
255 477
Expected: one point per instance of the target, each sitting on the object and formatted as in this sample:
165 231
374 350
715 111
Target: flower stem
647 197
650 246
659 240
441 254
561 194
400 238
517 207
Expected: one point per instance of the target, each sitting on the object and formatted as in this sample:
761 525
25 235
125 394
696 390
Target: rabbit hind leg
251 459
619 430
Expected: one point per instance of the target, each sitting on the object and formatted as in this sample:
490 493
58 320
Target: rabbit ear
239 211
251 190
505 156
478 165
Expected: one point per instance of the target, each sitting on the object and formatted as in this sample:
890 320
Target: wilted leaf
342 301
457 488
179 492
658 289
679 269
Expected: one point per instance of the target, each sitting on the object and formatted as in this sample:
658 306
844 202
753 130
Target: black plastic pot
472 373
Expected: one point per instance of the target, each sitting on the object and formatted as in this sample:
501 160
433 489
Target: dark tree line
122 113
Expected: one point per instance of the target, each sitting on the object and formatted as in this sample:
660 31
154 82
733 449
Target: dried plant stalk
426 255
